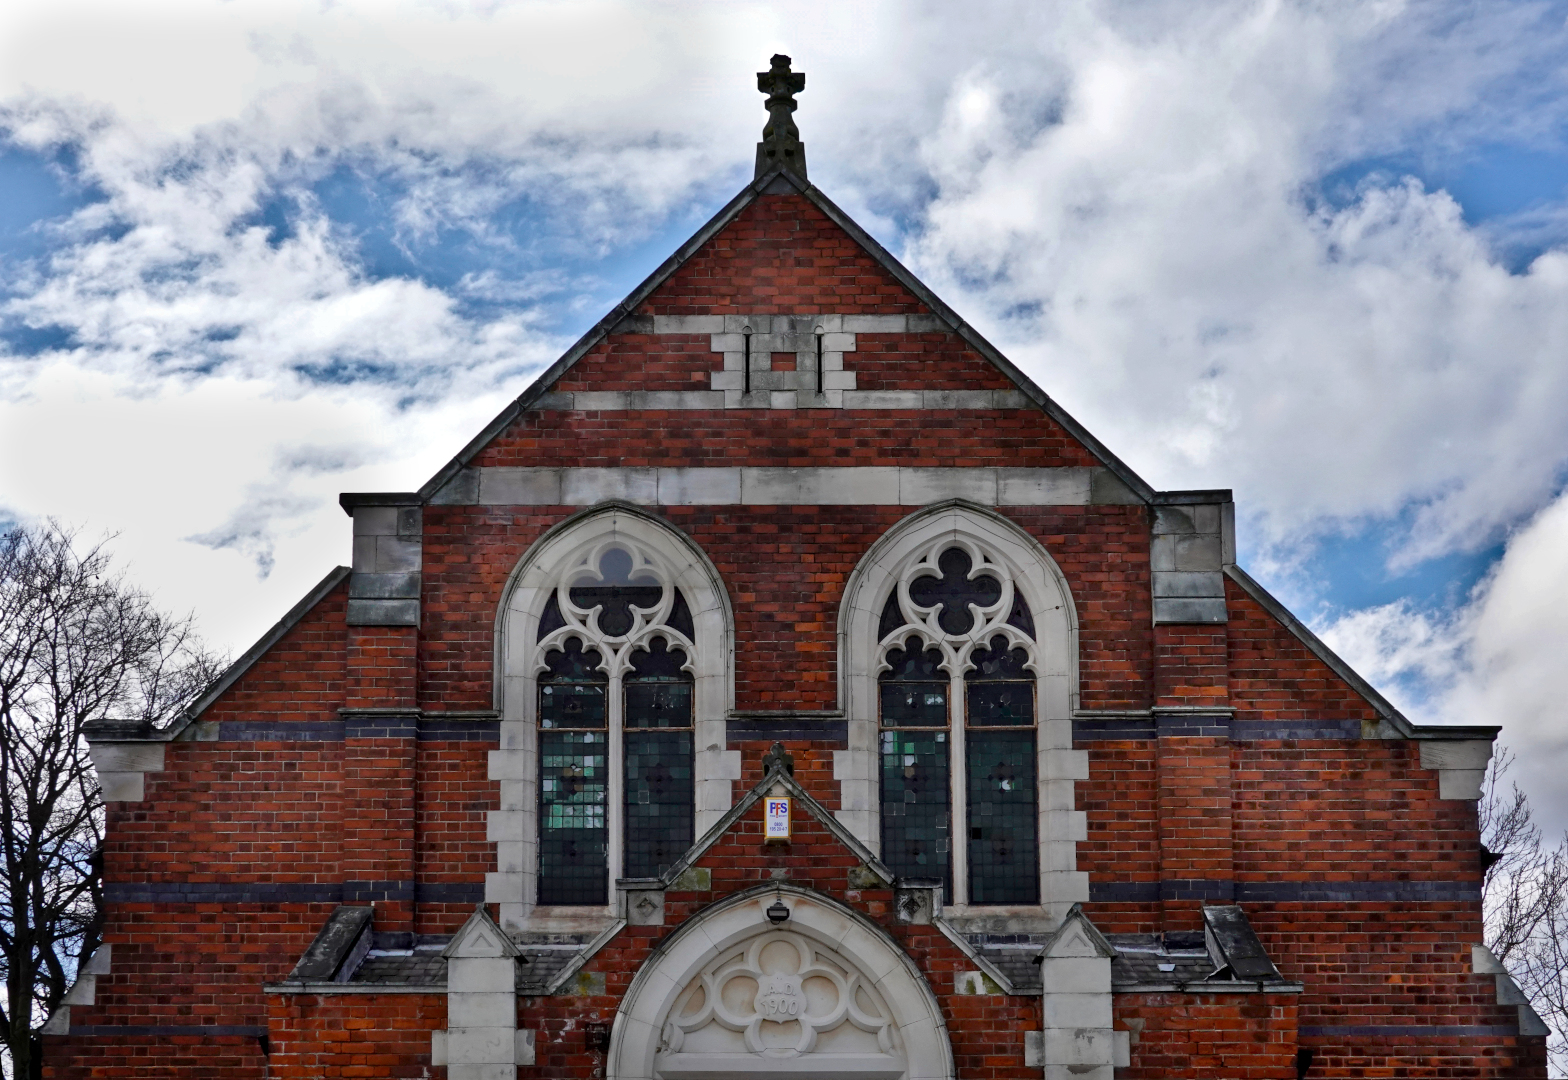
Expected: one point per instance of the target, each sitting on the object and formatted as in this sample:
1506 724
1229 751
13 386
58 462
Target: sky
254 253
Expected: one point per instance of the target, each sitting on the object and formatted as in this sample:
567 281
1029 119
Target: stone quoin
1069 793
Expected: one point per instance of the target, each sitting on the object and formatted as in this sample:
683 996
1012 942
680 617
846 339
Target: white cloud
1184 289
1128 198
1498 659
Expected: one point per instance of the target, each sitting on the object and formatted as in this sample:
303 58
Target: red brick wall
1273 676
1236 1036
301 677
353 1035
785 569
143 1057
781 255
1012 438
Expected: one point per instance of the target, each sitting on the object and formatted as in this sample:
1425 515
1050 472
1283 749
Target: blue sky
254 254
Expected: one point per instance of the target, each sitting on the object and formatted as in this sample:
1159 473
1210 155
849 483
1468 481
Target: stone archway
823 993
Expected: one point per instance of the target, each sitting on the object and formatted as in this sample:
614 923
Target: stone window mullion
958 792
616 810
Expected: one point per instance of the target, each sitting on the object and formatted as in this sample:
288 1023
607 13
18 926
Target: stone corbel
641 901
1460 764
123 767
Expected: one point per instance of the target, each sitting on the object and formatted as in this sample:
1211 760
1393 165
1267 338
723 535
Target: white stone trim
563 552
824 338
870 485
123 768
854 942
1460 764
481 1040
779 390
1027 567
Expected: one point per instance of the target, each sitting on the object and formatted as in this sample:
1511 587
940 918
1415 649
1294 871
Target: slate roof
1014 955
1160 960
414 968
1228 954
544 957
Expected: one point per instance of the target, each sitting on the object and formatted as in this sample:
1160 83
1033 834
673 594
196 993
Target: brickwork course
1236 773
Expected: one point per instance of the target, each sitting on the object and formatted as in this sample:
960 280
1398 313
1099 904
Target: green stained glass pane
916 838
573 868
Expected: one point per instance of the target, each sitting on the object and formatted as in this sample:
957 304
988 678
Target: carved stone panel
784 1006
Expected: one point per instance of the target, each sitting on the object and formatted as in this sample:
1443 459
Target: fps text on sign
777 818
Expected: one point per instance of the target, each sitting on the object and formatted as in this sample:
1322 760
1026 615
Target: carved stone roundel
780 996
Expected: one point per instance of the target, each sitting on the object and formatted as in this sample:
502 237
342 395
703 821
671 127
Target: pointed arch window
957 708
615 725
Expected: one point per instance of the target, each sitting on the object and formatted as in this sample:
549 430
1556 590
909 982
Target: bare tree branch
1525 899
77 644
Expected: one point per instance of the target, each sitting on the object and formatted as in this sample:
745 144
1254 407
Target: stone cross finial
778 757
781 143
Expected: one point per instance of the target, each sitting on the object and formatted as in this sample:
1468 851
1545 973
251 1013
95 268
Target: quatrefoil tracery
615 596
771 984
956 597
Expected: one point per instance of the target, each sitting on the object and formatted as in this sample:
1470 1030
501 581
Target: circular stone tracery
783 998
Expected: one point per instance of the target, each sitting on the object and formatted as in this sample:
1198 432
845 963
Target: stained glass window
573 758
999 751
658 743
916 818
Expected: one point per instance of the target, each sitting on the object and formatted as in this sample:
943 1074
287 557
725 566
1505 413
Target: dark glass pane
551 619
572 664
572 691
658 705
892 617
617 592
999 691
909 663
914 692
915 820
659 661
1003 852
912 704
999 662
659 798
573 868
1000 704
680 617
1021 616
954 591
658 692
571 705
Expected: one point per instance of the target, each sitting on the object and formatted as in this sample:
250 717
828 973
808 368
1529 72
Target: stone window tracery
957 711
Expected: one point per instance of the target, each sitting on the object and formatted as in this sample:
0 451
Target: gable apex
777 780
781 181
480 939
1077 937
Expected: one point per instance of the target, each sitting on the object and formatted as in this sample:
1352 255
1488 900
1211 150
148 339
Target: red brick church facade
1069 793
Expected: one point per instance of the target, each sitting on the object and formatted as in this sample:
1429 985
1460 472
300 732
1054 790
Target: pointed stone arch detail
696 1008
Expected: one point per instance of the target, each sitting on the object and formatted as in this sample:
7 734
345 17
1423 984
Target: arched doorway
822 993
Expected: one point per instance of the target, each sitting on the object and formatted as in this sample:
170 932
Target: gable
837 331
